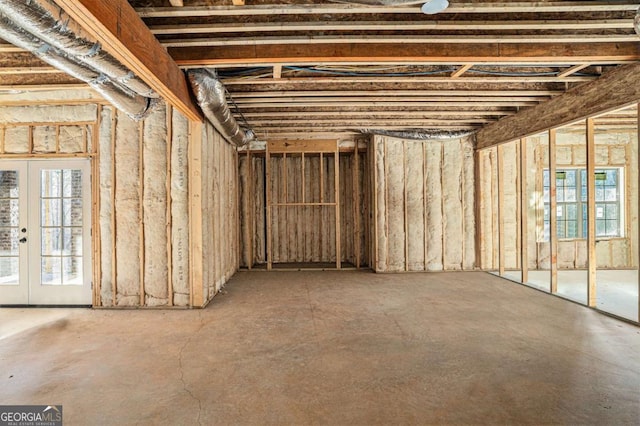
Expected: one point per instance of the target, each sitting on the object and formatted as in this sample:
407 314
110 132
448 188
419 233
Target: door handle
23 239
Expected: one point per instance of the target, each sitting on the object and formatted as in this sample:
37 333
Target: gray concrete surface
331 348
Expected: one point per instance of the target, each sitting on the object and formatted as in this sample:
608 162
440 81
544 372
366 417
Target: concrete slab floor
331 348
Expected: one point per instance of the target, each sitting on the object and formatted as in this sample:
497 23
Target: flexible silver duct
426 134
51 24
211 97
134 105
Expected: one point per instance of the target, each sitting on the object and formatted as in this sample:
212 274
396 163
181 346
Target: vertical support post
356 204
95 213
251 215
336 167
321 178
477 183
553 210
169 219
374 205
267 183
524 214
638 206
303 180
114 224
196 298
518 206
404 206
501 253
141 208
591 214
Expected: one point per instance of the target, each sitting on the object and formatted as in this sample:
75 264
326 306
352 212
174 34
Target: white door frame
31 290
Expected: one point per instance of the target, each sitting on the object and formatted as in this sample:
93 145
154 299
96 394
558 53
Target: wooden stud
268 203
385 159
321 178
501 253
176 3
404 206
2 136
195 214
30 136
95 214
141 208
425 220
553 211
251 215
442 210
524 212
591 213
114 224
336 166
518 204
303 179
374 195
168 215
58 140
479 206
356 210
637 165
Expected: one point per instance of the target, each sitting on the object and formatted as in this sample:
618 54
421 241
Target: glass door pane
61 226
14 286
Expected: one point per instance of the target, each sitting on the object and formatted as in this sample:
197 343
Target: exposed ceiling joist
541 25
479 39
409 53
120 30
415 80
322 9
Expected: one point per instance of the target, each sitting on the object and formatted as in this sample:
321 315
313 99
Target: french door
45 233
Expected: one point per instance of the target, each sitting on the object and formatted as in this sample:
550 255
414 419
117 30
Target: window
571 199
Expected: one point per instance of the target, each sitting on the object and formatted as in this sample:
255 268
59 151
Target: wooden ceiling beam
612 91
120 30
542 25
347 113
427 53
406 94
391 103
394 39
417 80
321 9
29 70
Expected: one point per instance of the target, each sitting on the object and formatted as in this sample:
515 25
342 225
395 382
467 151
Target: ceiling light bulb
434 6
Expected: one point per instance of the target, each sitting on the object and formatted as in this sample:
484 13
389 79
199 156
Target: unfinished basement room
328 212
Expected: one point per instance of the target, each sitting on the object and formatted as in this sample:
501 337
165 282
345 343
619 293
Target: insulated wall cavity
424 205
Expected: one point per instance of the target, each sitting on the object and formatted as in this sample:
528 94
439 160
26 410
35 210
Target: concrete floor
616 290
331 348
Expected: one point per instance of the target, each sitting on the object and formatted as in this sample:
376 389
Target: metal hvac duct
426 134
210 94
31 26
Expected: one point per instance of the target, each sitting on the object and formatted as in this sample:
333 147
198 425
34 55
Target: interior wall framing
141 223
303 213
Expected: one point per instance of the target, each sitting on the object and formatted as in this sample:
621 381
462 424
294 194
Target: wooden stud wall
304 202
